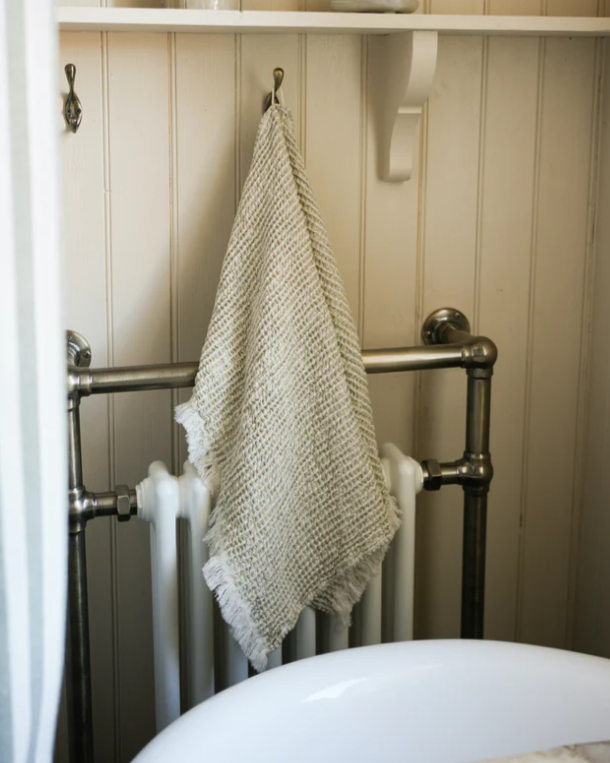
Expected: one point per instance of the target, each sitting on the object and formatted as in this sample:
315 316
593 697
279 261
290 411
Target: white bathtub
416 702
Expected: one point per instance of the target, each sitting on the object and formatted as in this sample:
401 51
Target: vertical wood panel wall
592 614
496 221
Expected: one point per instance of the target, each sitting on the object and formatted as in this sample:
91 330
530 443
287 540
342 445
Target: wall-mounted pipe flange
79 350
434 324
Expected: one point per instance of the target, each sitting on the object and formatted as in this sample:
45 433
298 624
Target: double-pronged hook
73 110
272 97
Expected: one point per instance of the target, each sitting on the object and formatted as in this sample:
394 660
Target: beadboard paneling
592 614
554 377
515 7
505 241
204 182
389 289
138 136
494 221
334 128
572 7
462 7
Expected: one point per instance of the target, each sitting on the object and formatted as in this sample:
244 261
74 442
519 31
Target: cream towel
280 424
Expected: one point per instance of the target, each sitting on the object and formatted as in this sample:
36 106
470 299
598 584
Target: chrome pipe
180 375
78 669
451 333
106 504
475 502
453 473
78 666
140 378
465 352
413 358
473 563
478 413
436 475
75 469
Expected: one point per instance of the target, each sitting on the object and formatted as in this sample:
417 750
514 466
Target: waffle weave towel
279 425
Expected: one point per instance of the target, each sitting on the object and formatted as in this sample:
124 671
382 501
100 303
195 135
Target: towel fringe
199 450
235 610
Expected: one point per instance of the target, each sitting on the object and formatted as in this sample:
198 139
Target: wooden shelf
197 21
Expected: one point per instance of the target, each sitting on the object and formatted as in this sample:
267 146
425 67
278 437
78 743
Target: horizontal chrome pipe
102 381
91 505
436 475
106 503
178 375
85 505
413 358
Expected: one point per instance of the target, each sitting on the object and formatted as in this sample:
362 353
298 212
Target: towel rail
448 344
180 375
84 382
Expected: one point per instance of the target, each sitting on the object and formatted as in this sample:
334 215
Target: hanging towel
279 425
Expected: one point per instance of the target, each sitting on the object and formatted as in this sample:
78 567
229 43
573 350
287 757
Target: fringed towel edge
199 450
348 587
235 611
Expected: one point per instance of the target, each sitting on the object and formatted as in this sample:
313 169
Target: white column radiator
214 660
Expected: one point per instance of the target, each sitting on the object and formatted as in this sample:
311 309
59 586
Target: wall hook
73 110
272 97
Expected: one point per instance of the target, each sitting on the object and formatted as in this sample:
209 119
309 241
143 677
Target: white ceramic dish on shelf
213 5
374 6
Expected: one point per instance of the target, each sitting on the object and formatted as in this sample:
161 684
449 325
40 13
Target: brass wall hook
73 110
272 97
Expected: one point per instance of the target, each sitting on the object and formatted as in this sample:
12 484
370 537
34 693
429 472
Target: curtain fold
33 513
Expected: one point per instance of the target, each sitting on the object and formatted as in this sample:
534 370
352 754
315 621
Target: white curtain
33 512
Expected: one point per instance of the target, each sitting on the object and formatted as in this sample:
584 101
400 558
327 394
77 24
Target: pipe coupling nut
433 475
123 504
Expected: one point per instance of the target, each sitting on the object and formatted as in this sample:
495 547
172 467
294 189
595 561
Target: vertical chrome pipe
80 720
473 562
78 668
475 502
75 459
478 411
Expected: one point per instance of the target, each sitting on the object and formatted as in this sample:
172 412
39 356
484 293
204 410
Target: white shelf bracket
402 72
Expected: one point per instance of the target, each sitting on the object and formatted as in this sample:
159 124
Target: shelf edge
228 22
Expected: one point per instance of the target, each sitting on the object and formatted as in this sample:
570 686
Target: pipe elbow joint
73 384
482 353
79 384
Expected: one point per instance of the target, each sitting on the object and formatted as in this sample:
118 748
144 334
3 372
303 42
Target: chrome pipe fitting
123 504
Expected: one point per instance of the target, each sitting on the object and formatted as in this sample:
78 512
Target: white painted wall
497 221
